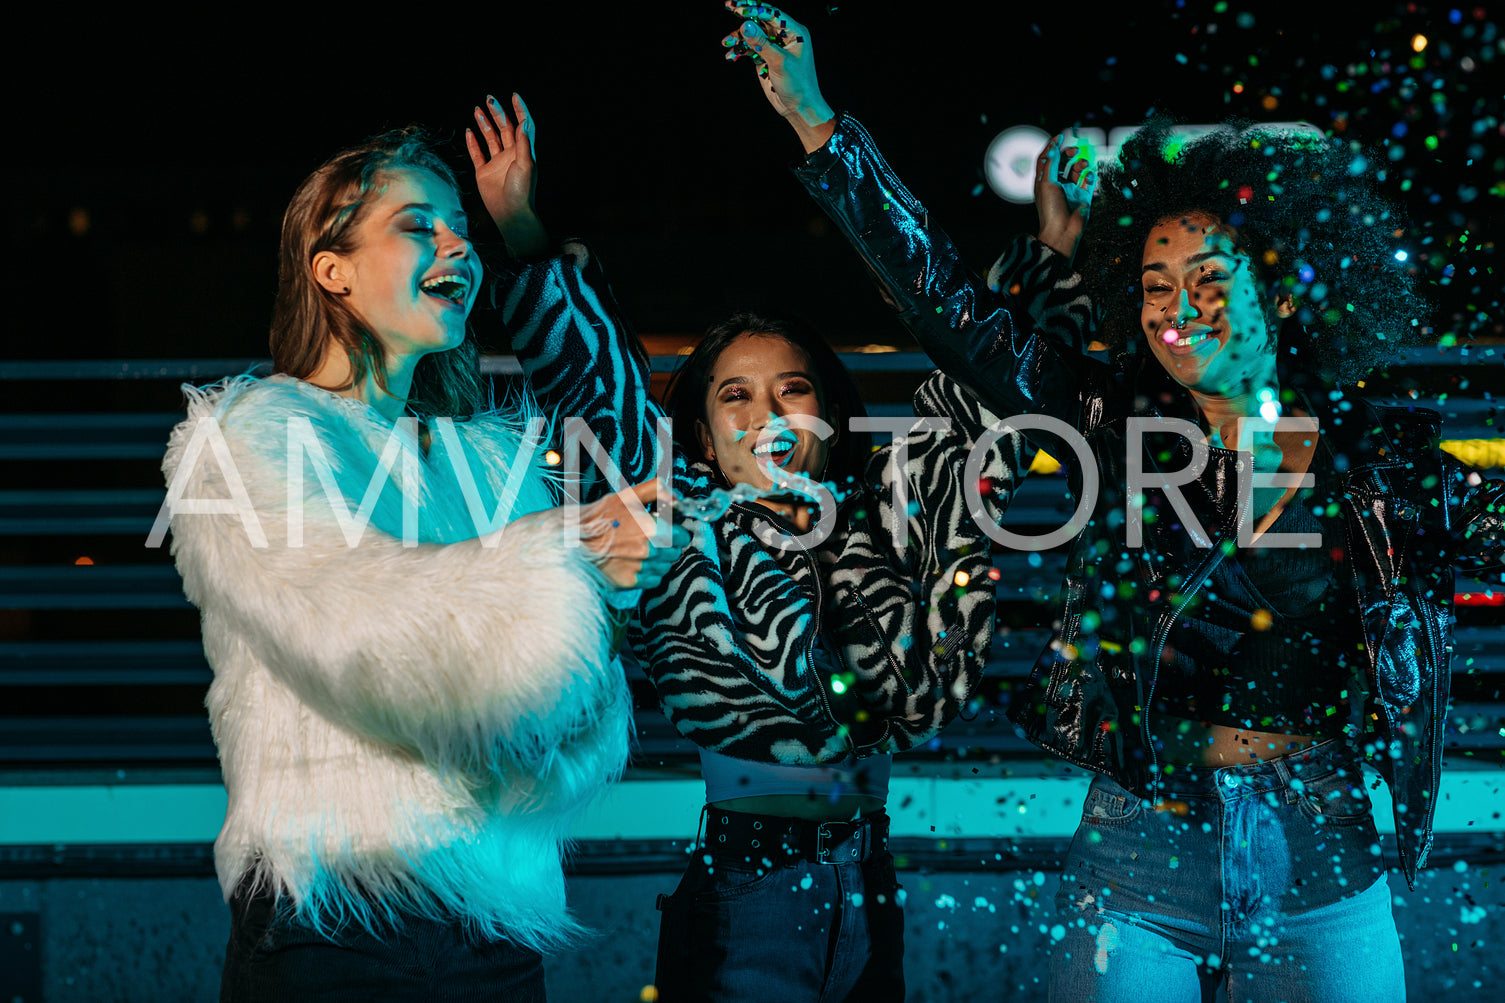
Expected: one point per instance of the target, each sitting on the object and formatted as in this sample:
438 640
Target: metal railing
87 609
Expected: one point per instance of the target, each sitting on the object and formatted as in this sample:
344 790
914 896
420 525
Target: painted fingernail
749 29
491 99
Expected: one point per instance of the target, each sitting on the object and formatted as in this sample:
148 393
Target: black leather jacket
1413 512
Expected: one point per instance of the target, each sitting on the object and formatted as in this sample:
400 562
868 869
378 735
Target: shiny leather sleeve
976 335
1477 514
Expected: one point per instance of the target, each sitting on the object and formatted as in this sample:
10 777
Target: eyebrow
739 380
425 207
1195 259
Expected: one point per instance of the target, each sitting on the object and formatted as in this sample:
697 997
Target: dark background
153 160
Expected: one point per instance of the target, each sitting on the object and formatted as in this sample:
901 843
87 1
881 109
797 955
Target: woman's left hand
506 175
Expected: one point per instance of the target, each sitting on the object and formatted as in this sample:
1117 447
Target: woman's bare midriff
811 809
1197 743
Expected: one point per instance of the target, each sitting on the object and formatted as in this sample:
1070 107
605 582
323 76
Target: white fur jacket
407 713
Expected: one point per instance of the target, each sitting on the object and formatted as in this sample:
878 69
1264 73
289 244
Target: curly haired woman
1241 628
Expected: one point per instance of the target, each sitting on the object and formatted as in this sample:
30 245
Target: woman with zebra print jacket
799 657
796 657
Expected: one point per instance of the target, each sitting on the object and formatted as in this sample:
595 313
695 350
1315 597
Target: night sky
154 161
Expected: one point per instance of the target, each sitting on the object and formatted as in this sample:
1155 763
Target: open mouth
452 288
1188 340
777 449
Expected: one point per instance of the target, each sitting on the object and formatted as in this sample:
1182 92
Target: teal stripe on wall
935 807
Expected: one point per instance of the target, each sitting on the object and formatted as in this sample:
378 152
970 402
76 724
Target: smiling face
412 277
1202 310
760 381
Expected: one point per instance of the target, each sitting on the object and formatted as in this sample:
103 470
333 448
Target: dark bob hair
1307 210
839 399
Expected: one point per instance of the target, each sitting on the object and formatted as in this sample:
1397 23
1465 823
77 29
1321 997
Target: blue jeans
276 957
1258 882
782 926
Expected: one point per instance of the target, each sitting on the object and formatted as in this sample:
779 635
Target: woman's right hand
779 46
1063 193
624 541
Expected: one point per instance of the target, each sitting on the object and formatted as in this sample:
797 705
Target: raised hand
779 47
630 547
506 174
1065 177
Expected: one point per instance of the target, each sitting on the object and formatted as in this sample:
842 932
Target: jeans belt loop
1283 774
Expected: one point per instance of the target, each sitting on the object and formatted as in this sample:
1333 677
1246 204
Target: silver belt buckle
822 851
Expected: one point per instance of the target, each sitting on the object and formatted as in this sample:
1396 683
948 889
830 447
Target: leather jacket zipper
1199 579
1203 573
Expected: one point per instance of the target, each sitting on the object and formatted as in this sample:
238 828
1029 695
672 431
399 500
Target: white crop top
727 778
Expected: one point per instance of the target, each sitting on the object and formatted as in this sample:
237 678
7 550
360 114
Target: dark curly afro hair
1307 211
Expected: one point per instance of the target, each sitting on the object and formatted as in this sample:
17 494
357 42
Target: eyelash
422 225
1211 278
788 388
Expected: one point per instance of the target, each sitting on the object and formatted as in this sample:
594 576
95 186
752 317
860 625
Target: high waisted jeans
783 926
1261 882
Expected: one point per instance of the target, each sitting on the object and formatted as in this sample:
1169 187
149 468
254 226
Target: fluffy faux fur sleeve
481 655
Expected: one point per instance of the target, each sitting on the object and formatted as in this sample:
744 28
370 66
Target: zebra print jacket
901 588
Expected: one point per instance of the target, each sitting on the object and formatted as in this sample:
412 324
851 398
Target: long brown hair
323 216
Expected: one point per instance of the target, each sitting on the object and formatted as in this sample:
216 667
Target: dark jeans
783 926
1251 883
275 956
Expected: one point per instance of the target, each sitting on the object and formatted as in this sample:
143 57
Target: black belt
750 838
